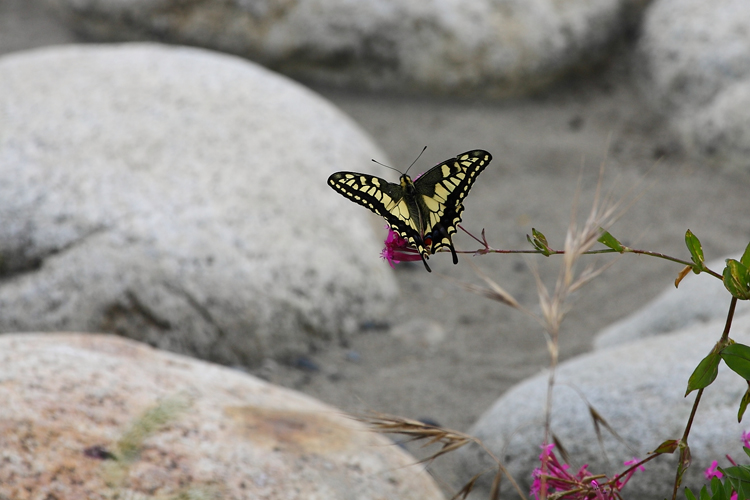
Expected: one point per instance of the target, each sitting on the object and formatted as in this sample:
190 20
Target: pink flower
620 482
712 472
397 250
746 439
579 486
633 462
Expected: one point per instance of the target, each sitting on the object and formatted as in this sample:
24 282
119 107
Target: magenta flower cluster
397 249
713 472
557 478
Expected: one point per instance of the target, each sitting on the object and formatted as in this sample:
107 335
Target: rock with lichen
98 417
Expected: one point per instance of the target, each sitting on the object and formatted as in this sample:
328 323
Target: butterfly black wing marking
424 212
386 199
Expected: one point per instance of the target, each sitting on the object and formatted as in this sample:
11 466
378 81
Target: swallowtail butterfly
424 211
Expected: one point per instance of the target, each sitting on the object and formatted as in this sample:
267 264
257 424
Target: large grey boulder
638 389
691 50
698 299
443 46
100 417
695 56
178 197
720 131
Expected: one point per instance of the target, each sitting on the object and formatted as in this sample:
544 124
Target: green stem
728 325
680 470
594 252
723 341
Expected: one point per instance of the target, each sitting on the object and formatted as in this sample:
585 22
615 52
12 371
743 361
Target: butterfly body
424 211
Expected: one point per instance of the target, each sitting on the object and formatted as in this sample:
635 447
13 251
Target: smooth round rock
691 50
639 389
720 131
178 196
502 47
695 57
700 298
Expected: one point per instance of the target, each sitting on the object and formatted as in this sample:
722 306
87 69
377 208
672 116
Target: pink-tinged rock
96 416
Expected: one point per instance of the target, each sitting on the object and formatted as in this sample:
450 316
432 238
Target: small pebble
306 364
369 326
353 356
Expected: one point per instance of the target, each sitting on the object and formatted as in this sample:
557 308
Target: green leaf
704 494
696 251
668 446
736 278
743 406
745 259
739 476
539 242
728 490
717 489
705 373
737 357
610 241
539 236
689 494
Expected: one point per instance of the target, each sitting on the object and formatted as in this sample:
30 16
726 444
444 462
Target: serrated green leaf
610 241
696 251
737 358
705 373
736 277
745 259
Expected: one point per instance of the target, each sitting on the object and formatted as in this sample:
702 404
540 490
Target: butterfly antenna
415 161
386 166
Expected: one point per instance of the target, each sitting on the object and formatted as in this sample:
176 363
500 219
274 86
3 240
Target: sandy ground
540 146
